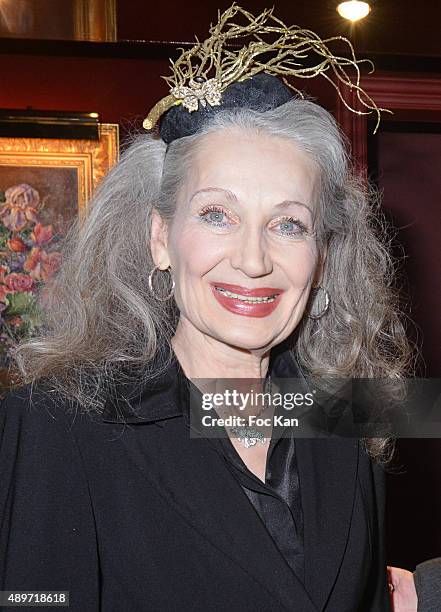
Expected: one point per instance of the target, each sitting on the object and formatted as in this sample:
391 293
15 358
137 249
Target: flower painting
29 256
45 184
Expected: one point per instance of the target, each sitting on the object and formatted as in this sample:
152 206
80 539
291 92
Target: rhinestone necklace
249 435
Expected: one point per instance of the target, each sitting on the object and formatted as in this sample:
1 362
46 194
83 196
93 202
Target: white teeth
245 298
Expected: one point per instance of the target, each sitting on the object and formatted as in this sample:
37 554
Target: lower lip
259 309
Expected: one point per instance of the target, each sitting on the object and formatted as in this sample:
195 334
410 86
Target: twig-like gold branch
202 73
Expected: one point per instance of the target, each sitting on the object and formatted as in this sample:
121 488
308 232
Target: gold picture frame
87 162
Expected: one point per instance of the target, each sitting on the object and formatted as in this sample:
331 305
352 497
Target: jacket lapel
328 469
328 476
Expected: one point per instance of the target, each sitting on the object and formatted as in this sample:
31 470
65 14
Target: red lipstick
241 307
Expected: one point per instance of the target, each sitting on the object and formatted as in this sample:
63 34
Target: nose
251 254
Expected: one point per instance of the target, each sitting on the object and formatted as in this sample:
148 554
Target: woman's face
241 244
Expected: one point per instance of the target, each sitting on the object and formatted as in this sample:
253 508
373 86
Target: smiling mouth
246 298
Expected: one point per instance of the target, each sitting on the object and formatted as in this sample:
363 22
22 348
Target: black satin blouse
277 501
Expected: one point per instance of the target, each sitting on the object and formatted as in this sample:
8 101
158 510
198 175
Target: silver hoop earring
153 292
323 302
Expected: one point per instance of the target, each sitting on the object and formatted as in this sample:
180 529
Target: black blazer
141 517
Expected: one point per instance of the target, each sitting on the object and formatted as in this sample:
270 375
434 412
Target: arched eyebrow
287 203
229 194
233 198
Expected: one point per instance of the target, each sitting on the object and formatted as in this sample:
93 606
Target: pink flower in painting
22 195
20 207
19 282
42 265
16 244
41 233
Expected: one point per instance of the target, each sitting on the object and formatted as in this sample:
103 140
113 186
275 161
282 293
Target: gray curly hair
99 313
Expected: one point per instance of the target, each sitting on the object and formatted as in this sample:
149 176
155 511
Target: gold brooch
198 90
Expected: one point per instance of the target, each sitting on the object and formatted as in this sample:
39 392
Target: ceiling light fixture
353 10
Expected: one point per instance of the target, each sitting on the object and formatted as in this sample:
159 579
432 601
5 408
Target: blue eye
213 215
292 227
287 226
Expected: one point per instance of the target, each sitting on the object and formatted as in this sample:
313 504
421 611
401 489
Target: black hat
262 92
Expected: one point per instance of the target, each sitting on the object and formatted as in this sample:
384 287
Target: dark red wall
410 178
393 26
408 168
120 90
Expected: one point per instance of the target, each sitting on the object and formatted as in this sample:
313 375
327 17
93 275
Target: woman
198 261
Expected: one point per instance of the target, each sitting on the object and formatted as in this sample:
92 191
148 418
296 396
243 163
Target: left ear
318 275
159 240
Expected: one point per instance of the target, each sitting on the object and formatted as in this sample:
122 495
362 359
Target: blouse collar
164 397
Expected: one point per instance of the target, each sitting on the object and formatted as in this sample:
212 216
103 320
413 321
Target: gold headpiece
202 73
